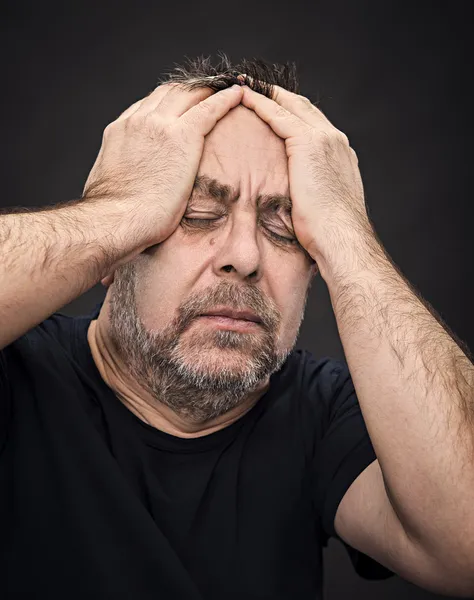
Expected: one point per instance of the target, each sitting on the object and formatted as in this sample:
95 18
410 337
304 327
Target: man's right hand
134 198
150 156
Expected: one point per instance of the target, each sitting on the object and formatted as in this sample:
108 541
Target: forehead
242 125
243 152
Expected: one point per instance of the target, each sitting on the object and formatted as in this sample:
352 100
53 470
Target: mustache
238 298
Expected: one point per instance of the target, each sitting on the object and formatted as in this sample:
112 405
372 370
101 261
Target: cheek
168 261
158 290
289 290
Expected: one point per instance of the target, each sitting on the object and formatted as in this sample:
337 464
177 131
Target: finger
299 105
205 115
153 99
303 108
145 104
178 100
283 122
295 104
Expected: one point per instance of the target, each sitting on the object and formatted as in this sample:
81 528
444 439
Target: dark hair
199 72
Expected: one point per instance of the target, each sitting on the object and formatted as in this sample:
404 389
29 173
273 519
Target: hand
150 157
328 207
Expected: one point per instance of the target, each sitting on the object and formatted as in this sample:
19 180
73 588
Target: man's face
235 262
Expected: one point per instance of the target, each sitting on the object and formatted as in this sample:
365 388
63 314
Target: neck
145 405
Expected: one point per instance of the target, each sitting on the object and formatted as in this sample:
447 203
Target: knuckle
145 122
305 101
354 155
324 137
110 130
330 138
281 113
154 120
135 120
207 106
107 131
342 137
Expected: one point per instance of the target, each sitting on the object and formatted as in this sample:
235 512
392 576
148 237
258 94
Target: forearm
51 256
415 387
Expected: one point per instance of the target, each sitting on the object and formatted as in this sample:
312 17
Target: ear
108 279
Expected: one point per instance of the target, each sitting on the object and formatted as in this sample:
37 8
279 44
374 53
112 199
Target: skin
181 373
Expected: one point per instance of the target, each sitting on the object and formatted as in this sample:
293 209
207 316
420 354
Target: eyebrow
227 195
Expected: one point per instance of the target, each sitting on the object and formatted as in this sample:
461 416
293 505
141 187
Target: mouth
236 315
221 321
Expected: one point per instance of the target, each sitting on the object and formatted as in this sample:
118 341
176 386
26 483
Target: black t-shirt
95 503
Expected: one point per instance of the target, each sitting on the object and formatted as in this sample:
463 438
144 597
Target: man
173 444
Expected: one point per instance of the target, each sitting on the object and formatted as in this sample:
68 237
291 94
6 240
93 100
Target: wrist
348 256
106 226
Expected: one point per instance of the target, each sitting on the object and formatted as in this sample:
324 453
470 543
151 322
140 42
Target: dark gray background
394 76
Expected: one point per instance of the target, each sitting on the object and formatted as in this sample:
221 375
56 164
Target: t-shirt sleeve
5 400
342 453
26 351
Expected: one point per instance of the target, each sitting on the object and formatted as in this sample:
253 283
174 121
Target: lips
245 315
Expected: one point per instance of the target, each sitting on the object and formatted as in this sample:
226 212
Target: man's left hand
328 207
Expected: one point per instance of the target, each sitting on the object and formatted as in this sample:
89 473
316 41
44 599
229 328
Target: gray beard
177 371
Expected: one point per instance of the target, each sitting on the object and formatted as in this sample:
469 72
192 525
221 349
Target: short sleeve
5 400
344 451
24 355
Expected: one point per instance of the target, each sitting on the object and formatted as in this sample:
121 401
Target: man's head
234 248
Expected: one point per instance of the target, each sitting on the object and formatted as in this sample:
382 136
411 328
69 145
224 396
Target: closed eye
200 221
275 236
281 238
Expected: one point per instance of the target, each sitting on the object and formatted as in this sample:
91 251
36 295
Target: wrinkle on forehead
226 195
243 153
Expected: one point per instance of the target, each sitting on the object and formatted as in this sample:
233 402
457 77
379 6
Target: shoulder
326 381
322 370
52 333
50 341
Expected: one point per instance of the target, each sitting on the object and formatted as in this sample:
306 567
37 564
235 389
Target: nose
239 251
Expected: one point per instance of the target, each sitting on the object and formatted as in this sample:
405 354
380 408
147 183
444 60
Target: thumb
107 280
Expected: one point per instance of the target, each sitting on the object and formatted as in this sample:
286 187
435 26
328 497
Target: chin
218 359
